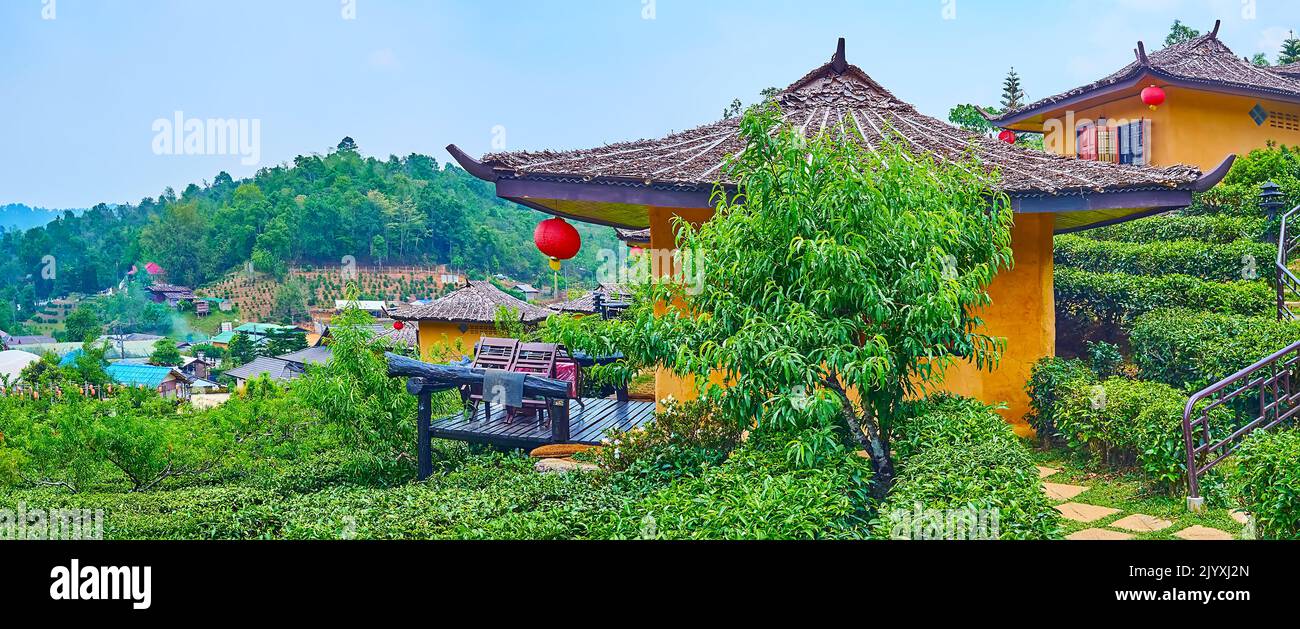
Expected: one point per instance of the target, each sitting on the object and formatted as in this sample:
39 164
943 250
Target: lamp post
1271 199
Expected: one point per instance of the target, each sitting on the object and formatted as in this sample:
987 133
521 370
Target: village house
605 299
644 184
167 381
530 293
1215 104
169 294
454 323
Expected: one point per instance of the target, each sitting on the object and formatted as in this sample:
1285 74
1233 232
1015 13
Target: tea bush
1192 349
1239 260
958 454
1209 229
683 438
1268 479
1125 423
1120 297
1049 379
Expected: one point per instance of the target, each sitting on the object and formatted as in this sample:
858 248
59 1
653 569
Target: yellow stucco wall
440 341
1192 127
1023 311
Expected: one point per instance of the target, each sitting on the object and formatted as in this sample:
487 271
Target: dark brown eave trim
1115 221
1141 76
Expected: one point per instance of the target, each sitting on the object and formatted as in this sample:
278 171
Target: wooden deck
588 424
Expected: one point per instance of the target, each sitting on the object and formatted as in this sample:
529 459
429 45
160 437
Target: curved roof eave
535 189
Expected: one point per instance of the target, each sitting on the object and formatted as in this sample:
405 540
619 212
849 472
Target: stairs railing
1259 397
1288 285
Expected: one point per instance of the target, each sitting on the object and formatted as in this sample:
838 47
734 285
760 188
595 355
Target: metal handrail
1285 278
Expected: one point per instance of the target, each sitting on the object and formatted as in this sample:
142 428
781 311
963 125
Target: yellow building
1217 104
643 184
451 325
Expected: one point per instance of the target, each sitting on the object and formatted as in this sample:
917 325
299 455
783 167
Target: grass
1126 492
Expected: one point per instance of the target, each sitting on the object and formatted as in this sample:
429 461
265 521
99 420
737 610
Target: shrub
1119 297
1104 358
683 438
1049 379
1240 260
959 456
945 419
1210 229
756 494
1130 424
1191 350
1269 482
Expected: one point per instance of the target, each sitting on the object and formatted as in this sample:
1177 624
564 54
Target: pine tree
1013 97
1290 51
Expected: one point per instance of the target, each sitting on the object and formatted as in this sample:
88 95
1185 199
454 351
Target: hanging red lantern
398 325
1153 97
1008 136
557 239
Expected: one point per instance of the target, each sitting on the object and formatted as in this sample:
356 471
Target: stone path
1064 495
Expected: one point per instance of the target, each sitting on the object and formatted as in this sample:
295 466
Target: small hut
464 316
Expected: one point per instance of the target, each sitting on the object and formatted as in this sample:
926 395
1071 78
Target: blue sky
82 91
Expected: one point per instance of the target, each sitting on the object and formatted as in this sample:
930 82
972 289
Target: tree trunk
866 432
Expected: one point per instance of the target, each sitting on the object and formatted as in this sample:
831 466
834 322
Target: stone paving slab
1140 523
1061 493
1241 517
1044 472
1098 534
1199 532
1080 512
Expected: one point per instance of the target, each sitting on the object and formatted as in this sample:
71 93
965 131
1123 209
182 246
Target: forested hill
19 216
315 211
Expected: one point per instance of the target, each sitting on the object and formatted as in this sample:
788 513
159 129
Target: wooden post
559 420
424 423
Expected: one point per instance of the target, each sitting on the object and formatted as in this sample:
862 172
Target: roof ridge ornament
1214 34
1142 54
839 63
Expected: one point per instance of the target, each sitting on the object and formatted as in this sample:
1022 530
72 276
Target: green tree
1290 50
969 118
241 350
1260 59
1179 33
285 341
842 282
291 302
165 354
1013 95
83 324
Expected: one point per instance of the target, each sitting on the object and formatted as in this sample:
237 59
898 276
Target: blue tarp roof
134 375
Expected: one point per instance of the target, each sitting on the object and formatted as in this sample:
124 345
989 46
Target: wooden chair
538 359
492 353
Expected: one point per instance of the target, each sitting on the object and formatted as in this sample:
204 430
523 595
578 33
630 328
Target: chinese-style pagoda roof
475 303
616 185
1203 62
586 304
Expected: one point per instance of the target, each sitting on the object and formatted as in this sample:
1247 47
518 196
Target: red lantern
398 325
1153 97
557 239
1008 136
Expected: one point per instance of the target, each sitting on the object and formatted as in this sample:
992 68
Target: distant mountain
19 216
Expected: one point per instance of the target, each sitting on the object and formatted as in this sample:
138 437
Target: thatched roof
834 94
1203 62
617 184
477 302
586 304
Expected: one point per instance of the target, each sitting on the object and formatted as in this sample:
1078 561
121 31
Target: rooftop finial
1142 54
840 63
1215 33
